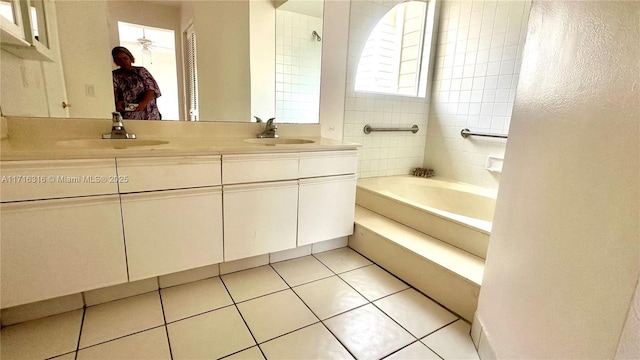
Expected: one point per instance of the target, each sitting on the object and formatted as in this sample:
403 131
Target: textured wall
562 265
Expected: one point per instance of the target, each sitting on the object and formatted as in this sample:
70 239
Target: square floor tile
119 318
302 270
329 297
251 283
253 353
368 333
276 314
311 342
373 282
343 259
151 344
194 298
42 338
209 336
415 312
415 351
69 356
452 342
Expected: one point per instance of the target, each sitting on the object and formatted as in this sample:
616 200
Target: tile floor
331 305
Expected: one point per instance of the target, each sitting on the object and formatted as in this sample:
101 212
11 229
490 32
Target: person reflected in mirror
135 90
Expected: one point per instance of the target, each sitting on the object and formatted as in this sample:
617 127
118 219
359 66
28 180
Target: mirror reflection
212 60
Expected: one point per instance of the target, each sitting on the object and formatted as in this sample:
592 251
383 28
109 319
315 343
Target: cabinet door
326 208
52 248
259 218
169 231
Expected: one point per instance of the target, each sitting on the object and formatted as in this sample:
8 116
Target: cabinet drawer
34 180
145 174
328 163
248 168
326 208
170 231
259 218
58 247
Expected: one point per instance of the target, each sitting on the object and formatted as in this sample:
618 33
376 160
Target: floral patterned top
130 86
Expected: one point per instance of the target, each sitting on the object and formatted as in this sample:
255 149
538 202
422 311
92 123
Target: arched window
395 58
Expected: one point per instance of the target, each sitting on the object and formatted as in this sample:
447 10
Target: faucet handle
270 121
258 120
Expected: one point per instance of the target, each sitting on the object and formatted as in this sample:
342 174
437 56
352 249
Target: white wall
477 63
224 78
263 57
382 153
563 261
334 68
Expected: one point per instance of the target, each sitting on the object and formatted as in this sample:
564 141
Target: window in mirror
38 22
192 74
396 53
7 11
154 49
10 21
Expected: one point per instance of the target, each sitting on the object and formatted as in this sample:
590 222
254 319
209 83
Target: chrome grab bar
466 133
368 129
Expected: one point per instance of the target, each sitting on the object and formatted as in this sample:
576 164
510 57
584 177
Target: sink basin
279 141
108 143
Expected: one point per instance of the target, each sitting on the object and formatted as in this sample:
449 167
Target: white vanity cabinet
259 218
260 203
172 213
277 201
61 229
326 208
326 200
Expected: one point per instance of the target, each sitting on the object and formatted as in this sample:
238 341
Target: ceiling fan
145 44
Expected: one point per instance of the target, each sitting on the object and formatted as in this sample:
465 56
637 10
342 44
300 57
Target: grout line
243 319
84 313
198 314
404 347
121 337
438 329
164 318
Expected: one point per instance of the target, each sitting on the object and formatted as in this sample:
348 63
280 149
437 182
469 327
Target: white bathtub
459 214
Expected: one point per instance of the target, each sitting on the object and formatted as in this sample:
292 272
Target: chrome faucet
269 130
117 128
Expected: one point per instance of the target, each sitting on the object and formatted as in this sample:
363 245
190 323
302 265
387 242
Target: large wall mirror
214 60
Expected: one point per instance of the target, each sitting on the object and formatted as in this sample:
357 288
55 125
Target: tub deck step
446 273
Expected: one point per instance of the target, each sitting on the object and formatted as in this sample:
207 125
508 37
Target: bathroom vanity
86 218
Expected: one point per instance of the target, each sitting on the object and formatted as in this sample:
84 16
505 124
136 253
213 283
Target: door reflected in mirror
155 50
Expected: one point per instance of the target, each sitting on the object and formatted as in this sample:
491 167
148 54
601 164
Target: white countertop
58 139
51 149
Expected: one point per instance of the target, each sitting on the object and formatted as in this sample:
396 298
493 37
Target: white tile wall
382 153
298 57
478 56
